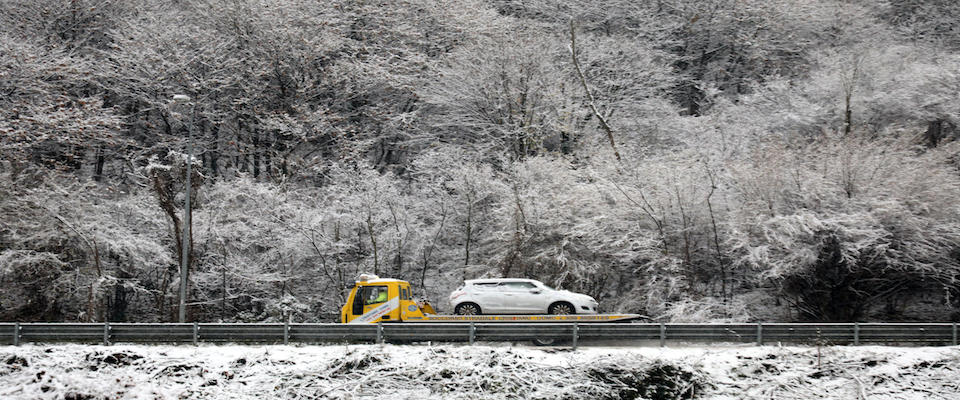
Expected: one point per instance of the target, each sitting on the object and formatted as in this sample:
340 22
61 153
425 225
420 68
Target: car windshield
546 286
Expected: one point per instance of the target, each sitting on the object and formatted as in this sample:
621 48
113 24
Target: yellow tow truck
374 300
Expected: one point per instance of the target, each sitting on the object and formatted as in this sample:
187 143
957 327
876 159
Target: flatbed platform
526 318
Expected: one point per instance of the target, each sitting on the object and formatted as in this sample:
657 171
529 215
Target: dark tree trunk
267 159
937 130
256 154
98 170
215 151
118 304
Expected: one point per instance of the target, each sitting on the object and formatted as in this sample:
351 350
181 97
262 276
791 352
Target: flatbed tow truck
375 300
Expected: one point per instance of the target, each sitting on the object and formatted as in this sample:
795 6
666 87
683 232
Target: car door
488 296
521 297
538 298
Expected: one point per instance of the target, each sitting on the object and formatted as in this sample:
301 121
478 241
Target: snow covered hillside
476 372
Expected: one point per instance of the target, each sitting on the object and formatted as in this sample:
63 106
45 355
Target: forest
688 160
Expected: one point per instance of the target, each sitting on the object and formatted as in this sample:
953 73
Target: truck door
370 303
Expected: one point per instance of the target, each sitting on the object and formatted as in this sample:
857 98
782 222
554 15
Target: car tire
561 308
467 309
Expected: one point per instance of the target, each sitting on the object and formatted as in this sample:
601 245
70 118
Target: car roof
499 280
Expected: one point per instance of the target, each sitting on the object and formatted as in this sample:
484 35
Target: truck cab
374 300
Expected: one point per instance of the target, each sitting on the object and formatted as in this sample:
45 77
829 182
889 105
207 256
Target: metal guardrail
932 334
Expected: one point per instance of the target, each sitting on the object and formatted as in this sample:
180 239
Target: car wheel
561 308
467 309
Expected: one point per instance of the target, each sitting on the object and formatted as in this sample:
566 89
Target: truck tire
467 309
546 342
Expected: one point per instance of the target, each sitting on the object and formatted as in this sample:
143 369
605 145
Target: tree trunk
466 246
215 151
583 82
373 244
935 132
847 116
256 154
98 170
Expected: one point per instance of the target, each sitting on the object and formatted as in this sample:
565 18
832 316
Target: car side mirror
535 291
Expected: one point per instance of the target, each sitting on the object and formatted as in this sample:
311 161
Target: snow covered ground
492 371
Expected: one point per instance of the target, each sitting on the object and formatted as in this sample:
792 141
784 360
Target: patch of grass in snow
657 381
354 362
100 359
18 361
81 396
180 370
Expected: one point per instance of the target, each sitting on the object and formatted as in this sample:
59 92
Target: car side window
374 294
485 286
517 285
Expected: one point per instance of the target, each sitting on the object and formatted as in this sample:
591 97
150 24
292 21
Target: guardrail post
663 334
196 333
473 333
380 332
576 333
759 334
16 333
286 332
856 333
954 333
106 333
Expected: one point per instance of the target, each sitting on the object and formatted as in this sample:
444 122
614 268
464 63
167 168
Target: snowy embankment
476 372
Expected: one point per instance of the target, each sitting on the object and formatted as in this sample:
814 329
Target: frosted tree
72 253
503 98
465 192
855 227
167 181
252 266
931 21
51 114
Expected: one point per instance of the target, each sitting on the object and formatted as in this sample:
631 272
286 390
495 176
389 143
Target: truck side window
358 302
374 294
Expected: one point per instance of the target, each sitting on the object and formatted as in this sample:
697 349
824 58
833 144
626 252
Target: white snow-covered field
494 371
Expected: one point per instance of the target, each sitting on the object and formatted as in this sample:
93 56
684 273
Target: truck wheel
561 308
545 342
467 309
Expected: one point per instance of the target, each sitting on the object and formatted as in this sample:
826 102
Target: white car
517 296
